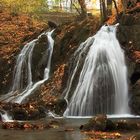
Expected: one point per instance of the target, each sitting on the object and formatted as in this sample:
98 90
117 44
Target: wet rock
135 98
127 19
127 125
20 114
39 58
122 125
135 77
28 111
128 32
128 35
41 109
33 114
99 123
110 125
52 25
60 106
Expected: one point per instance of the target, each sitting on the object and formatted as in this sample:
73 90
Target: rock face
135 99
99 123
39 58
128 35
102 123
25 111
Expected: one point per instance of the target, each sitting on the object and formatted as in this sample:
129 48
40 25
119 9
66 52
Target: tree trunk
103 11
115 4
109 7
83 7
124 4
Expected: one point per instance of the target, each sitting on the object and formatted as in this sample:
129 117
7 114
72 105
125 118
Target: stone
128 35
127 125
33 114
99 123
110 125
20 114
39 58
60 106
52 25
135 98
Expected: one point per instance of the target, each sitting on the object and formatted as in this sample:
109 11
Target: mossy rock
99 123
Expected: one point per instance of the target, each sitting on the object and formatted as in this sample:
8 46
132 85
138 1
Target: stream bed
64 129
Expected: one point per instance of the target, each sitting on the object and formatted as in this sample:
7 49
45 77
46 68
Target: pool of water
52 134
66 129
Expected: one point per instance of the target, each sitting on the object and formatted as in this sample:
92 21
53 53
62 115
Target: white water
78 56
19 93
102 86
5 116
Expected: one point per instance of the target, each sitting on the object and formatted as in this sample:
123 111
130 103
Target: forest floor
18 29
15 31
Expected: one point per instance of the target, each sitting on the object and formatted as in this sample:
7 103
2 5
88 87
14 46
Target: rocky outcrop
39 58
99 123
128 35
29 111
135 98
102 123
129 30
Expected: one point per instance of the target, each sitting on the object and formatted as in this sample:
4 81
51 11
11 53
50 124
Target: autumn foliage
24 6
97 135
15 31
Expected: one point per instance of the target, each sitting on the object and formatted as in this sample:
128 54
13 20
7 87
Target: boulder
99 123
33 114
60 106
20 114
135 98
135 76
127 125
102 123
52 25
39 58
128 35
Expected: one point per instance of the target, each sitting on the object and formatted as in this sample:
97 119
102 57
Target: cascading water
23 69
102 86
5 116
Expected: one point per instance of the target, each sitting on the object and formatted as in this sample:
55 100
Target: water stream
102 85
5 116
23 68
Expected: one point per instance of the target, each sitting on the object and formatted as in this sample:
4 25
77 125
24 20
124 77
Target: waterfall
102 84
5 116
23 70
